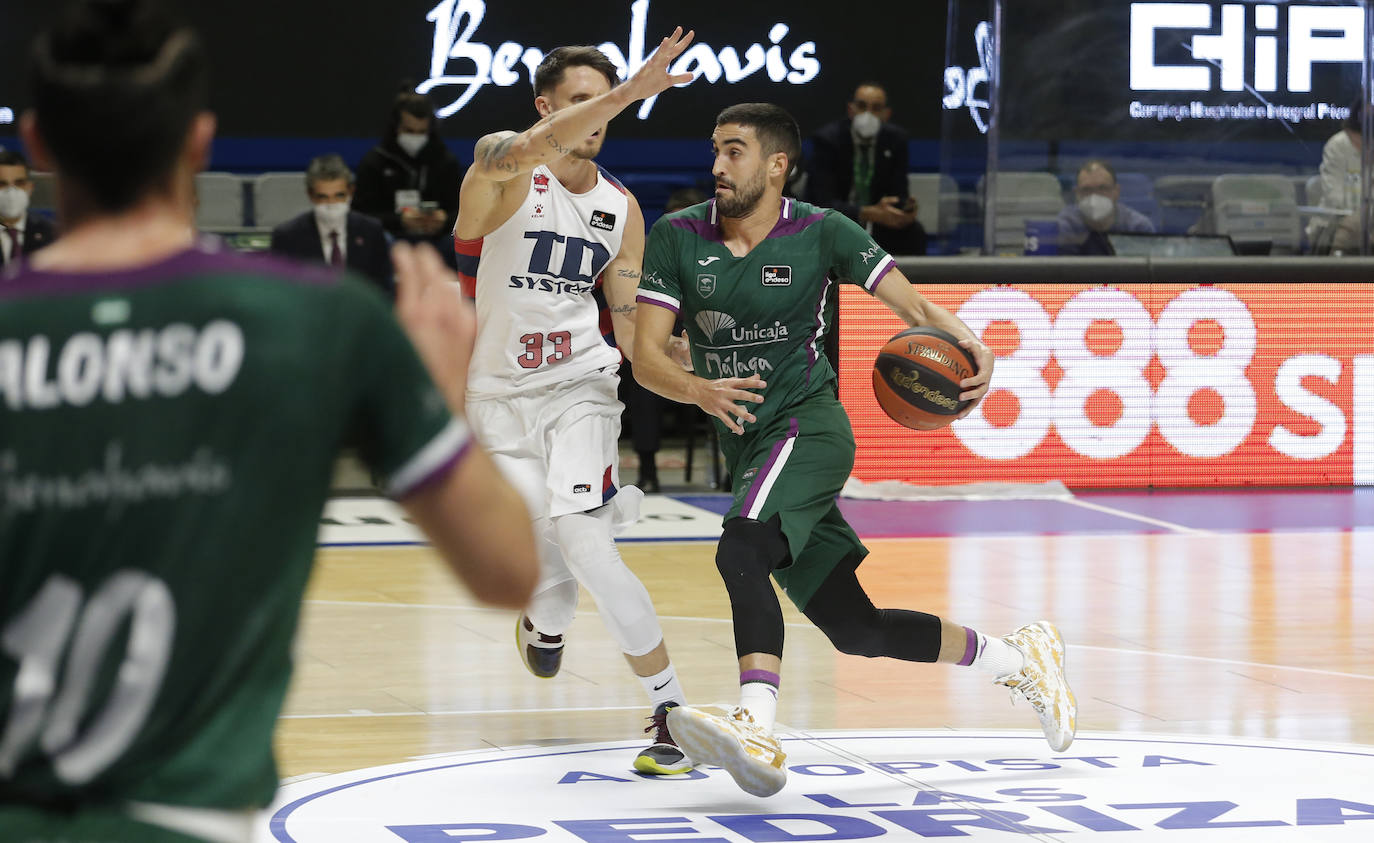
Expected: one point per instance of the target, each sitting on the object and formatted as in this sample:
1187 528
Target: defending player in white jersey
540 229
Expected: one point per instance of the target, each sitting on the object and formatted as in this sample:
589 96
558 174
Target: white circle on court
893 785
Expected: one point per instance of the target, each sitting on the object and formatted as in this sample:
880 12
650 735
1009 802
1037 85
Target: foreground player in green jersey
169 417
750 273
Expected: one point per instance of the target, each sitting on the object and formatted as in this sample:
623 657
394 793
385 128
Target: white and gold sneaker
1041 682
729 738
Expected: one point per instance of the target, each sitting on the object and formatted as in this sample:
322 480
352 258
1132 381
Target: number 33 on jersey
537 286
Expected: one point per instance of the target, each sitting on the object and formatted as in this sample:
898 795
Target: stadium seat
219 201
937 201
1183 202
277 197
1258 207
1022 197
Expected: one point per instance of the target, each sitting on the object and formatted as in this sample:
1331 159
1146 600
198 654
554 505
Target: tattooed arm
620 279
502 156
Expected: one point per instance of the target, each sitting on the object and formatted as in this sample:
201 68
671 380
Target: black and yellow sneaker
663 757
542 654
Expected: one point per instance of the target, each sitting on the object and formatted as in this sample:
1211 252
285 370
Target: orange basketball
916 378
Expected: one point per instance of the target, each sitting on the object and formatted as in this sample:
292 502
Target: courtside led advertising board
1137 385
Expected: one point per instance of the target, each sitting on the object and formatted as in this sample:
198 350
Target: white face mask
1096 207
14 202
412 142
332 214
865 125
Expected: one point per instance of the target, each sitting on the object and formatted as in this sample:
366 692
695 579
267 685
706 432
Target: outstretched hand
653 77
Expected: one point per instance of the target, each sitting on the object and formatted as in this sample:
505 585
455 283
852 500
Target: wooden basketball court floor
1241 616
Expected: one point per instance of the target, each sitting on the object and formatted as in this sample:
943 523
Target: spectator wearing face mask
409 182
330 232
21 232
859 166
1083 226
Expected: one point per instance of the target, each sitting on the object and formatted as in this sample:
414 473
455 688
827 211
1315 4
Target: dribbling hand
975 388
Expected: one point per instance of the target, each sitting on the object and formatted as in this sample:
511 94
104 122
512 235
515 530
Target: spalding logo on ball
916 378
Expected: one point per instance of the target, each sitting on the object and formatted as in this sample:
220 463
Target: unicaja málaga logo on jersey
712 322
459 60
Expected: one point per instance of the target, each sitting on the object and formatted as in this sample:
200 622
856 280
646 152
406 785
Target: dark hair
326 168
683 197
416 105
1097 162
556 63
115 85
869 83
776 129
13 158
1355 122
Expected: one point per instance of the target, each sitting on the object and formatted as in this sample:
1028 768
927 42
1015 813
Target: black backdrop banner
289 69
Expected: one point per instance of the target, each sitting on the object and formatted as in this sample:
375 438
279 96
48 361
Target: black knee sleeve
746 556
842 610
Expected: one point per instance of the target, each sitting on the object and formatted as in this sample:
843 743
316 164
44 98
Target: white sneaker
729 738
1041 682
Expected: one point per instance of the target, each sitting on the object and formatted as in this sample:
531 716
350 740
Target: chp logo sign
1138 385
1256 48
896 785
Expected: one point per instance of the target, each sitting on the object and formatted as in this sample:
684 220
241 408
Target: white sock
997 657
760 699
663 687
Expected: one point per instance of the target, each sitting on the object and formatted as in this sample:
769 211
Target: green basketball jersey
167 438
764 313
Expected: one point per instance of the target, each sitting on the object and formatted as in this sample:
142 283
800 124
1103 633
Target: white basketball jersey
538 320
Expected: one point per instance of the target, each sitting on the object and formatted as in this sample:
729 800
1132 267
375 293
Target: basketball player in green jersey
169 417
750 272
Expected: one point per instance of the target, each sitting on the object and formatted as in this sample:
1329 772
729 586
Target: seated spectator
21 232
332 233
858 166
644 409
1083 226
1340 177
409 182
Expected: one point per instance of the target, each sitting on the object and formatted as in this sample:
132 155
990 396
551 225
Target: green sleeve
854 257
660 283
402 424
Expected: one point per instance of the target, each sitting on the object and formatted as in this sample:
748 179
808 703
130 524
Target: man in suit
859 166
331 233
21 232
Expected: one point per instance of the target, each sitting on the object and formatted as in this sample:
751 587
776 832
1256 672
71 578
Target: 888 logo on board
1157 384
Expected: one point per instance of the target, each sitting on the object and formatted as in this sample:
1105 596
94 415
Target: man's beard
587 150
742 200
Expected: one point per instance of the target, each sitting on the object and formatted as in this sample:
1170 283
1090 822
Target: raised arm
502 156
895 291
